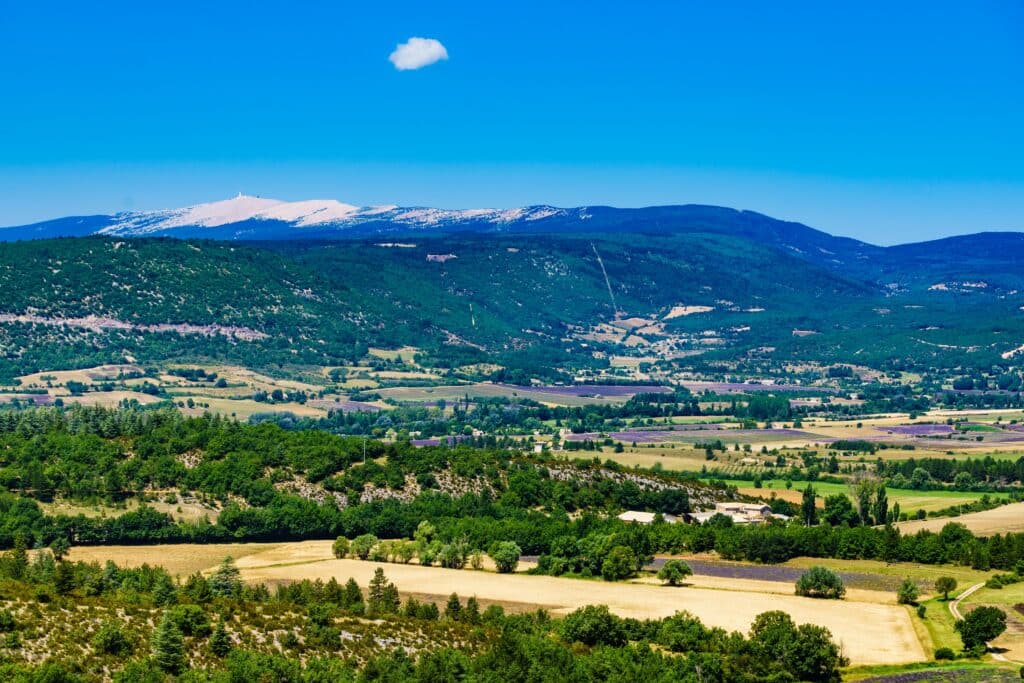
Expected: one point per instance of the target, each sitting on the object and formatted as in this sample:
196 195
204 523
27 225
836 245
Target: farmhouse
637 517
739 513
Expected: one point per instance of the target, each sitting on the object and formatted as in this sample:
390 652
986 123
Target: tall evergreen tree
808 509
168 645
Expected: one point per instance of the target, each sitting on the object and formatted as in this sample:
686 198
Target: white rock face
309 213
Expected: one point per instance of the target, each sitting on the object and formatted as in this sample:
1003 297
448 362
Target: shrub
907 593
619 564
111 640
593 625
363 545
820 582
454 555
340 547
191 620
7 622
506 556
944 653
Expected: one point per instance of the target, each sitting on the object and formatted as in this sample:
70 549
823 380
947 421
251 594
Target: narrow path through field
954 608
954 605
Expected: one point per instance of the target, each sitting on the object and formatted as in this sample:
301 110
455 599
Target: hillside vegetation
528 303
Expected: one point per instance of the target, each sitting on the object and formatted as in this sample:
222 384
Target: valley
429 406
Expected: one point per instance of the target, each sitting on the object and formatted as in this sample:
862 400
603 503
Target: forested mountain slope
524 301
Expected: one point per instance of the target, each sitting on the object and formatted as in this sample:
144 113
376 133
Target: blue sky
885 121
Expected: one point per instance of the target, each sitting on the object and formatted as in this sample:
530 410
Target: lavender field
768 572
749 387
692 436
589 390
920 429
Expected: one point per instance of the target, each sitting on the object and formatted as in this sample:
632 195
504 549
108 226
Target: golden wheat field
871 628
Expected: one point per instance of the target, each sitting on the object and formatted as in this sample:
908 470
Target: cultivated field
180 560
996 521
871 629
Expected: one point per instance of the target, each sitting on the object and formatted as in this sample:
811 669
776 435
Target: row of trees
427 549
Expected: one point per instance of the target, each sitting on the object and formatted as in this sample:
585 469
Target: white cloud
417 53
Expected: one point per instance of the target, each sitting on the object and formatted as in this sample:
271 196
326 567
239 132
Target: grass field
181 511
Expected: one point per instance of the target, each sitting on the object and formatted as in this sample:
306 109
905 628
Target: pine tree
471 615
376 589
60 548
168 645
17 559
881 506
164 593
63 578
808 509
227 579
220 642
383 595
334 593
353 594
391 601
453 608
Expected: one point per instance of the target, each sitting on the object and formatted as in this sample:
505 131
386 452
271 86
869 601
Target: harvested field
85 375
996 521
109 399
243 409
870 632
181 559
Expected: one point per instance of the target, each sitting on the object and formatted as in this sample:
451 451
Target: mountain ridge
284 219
